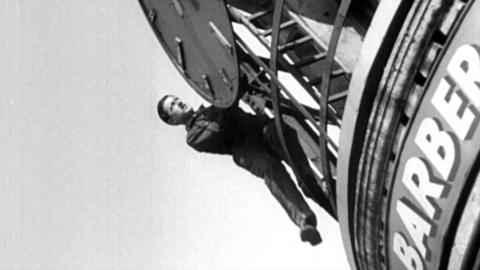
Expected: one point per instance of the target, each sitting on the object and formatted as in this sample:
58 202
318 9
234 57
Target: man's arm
207 134
202 135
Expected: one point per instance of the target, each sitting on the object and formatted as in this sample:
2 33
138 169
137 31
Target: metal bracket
180 55
208 85
225 79
178 7
220 37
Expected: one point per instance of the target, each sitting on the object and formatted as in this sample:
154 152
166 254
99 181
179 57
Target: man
252 141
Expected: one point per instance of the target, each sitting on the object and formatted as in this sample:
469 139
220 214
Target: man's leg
307 182
256 159
284 190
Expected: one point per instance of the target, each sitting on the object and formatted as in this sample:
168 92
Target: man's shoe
308 233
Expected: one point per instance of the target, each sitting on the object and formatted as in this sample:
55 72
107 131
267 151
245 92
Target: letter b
407 254
437 145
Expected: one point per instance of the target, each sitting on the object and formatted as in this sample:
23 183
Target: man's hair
161 111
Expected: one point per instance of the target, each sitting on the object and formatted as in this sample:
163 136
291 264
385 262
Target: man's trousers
259 152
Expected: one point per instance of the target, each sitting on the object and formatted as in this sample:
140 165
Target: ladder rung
334 74
337 96
310 60
294 43
283 26
259 14
260 75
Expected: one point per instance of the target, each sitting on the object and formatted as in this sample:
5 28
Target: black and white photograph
239 134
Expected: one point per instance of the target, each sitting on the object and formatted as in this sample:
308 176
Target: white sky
91 179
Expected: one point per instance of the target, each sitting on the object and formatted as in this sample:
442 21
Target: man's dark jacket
252 142
217 130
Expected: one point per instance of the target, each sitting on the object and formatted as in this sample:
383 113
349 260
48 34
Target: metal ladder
302 50
289 60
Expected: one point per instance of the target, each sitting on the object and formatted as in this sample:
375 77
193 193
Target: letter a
416 226
417 179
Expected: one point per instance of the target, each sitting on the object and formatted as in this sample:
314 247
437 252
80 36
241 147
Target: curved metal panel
198 38
375 50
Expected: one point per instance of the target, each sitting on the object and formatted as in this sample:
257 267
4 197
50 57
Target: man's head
173 111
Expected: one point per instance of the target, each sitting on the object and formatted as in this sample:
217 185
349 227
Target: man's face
178 111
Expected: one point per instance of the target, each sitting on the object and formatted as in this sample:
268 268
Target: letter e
450 109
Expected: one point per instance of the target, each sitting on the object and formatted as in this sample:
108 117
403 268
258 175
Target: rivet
152 15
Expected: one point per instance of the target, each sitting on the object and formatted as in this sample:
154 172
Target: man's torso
219 131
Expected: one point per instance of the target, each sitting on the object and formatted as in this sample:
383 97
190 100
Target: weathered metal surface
365 78
386 127
198 38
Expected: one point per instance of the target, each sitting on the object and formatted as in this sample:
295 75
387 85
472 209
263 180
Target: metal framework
282 50
407 48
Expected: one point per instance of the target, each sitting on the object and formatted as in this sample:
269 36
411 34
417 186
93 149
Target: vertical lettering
465 70
450 107
417 180
407 254
437 145
416 226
